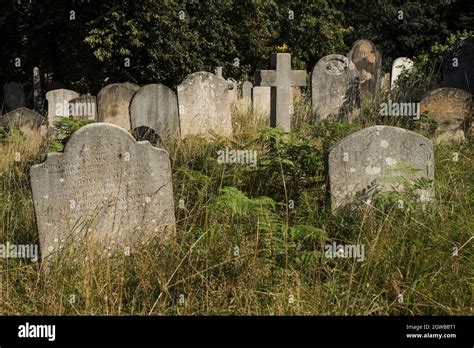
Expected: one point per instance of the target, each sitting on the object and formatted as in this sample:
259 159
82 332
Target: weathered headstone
281 79
458 69
399 66
204 105
261 103
233 91
217 71
84 107
244 101
368 62
113 103
26 120
334 86
104 185
37 96
375 159
58 103
385 83
452 110
14 95
154 114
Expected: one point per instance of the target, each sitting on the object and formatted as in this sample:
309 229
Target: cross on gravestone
281 79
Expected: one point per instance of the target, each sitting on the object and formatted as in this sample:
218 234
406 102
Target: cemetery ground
250 240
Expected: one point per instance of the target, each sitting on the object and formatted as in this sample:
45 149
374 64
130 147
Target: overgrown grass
250 241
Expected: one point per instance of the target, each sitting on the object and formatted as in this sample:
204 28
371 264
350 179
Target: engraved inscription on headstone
105 186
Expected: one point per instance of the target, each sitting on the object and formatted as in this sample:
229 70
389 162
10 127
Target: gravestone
37 96
113 103
458 68
26 120
244 100
261 103
105 185
204 105
217 71
373 160
385 83
334 86
399 66
14 95
368 62
84 107
58 103
281 79
233 91
154 114
452 110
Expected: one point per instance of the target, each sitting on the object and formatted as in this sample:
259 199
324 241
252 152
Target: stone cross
281 79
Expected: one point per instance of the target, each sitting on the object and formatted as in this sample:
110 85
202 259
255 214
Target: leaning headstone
261 103
334 85
14 95
281 79
58 104
399 66
113 103
204 105
105 186
84 107
458 69
26 120
37 96
378 159
452 110
368 62
154 114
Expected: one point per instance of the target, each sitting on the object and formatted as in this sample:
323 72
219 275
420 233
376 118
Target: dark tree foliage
88 43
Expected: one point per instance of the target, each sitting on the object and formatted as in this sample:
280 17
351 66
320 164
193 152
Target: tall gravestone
368 62
14 95
261 103
204 105
105 186
37 95
452 110
113 102
458 68
154 114
334 86
374 159
281 79
84 107
399 66
58 103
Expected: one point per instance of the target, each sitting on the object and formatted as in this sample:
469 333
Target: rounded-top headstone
452 110
154 114
204 105
334 86
399 66
374 159
368 61
113 102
